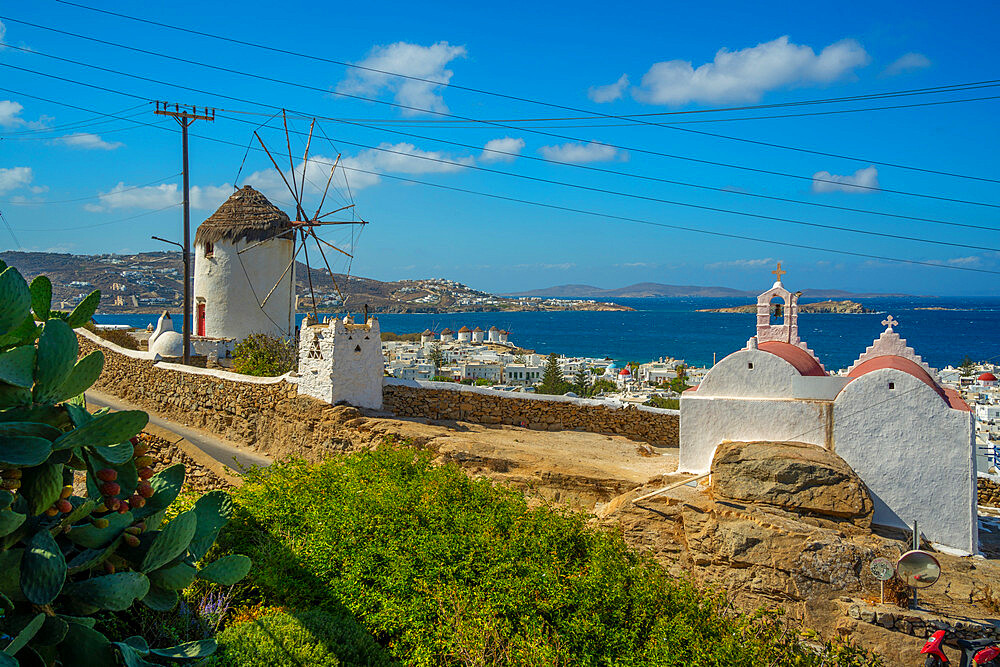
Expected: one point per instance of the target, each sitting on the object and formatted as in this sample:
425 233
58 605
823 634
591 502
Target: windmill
304 227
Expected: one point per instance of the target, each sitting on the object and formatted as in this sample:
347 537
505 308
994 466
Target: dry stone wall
989 492
440 400
270 416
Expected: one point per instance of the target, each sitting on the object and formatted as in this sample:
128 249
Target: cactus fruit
62 553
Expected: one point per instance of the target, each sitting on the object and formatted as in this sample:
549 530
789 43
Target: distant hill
659 290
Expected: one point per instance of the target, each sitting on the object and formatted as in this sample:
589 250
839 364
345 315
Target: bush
666 403
264 356
314 638
442 569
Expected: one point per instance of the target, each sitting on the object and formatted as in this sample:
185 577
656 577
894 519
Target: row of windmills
466 335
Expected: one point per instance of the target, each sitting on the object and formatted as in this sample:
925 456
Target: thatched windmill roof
247 215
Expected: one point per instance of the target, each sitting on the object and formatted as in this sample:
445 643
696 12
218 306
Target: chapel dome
987 377
247 215
803 362
625 371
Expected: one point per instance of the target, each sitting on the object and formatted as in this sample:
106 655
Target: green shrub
264 356
442 569
314 638
665 403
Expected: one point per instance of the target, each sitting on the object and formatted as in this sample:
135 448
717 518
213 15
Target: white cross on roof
889 322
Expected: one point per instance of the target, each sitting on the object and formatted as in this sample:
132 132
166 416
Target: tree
264 356
436 357
552 377
603 385
581 382
968 366
679 383
666 403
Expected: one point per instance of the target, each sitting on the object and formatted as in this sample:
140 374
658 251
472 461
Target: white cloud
741 264
578 153
3 34
965 261
402 158
426 62
867 178
13 178
10 113
564 266
610 92
504 145
907 63
745 75
153 197
636 265
87 141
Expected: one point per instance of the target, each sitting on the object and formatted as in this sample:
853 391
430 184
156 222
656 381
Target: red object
951 397
803 362
933 646
987 377
624 371
987 654
200 328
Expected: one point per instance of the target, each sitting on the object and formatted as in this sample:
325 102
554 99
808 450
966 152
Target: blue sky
611 59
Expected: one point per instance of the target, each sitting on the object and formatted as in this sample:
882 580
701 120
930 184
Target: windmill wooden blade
280 173
270 238
335 247
327 188
305 159
291 163
312 292
343 301
280 278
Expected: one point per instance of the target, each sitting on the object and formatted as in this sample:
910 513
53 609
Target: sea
943 330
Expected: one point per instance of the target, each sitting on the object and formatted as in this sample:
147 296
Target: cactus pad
227 570
17 366
115 592
43 569
106 429
171 542
56 356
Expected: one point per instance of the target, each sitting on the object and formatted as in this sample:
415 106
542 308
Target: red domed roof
803 362
903 364
987 377
625 371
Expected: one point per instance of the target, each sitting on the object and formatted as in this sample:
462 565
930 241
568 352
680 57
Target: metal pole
187 247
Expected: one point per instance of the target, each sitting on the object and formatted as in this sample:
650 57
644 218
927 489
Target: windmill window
209 250
750 366
892 385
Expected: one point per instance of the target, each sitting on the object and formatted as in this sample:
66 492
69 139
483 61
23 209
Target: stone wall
989 492
442 400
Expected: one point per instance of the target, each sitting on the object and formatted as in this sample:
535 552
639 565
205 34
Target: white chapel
910 440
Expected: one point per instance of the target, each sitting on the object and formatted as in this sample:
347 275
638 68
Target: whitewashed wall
342 362
232 309
914 453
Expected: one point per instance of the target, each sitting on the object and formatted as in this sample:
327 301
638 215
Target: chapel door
200 327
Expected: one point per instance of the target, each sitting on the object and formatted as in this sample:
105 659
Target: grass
443 570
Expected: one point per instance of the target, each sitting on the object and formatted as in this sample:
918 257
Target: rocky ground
802 543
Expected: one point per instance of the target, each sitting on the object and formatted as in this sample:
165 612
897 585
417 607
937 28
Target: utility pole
185 115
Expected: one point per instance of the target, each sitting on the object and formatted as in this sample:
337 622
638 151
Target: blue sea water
672 327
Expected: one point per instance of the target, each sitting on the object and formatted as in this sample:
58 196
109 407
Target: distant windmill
304 226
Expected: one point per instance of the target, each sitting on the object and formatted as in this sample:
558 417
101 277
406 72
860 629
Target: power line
67 201
640 176
515 97
583 211
99 224
533 131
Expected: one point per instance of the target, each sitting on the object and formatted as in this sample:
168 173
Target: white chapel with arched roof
910 440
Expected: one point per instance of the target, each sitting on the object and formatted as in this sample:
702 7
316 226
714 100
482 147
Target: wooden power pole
185 115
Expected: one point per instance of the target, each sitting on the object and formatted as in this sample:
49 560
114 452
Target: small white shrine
342 361
910 440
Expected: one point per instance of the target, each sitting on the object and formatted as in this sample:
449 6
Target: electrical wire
586 212
67 201
519 98
636 176
813 178
99 224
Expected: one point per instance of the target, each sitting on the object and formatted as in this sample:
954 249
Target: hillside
649 290
152 281
849 307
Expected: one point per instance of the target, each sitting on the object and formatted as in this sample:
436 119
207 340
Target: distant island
660 291
150 282
842 307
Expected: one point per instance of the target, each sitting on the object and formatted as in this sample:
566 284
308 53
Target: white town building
910 440
230 285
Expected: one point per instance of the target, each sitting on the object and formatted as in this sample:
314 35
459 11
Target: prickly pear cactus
65 555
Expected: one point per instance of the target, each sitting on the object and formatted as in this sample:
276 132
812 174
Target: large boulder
793 476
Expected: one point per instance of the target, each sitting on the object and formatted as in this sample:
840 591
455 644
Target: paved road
222 451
